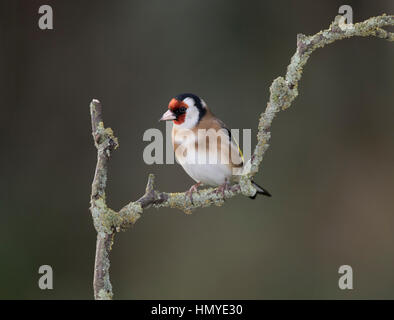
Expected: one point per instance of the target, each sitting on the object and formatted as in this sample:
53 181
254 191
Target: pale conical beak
168 115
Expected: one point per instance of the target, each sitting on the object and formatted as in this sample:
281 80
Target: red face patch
179 109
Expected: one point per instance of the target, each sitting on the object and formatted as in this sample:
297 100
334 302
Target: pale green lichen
247 188
99 209
105 294
128 215
106 220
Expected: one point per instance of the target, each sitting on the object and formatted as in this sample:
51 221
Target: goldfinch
203 145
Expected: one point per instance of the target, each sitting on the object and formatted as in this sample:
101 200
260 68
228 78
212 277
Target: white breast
209 174
197 165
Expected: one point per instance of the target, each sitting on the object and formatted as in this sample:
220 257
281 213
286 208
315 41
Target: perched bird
196 134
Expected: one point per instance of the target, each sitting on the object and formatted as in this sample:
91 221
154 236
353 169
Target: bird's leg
223 187
193 188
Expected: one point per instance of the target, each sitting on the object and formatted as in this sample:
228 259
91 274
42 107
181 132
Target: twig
282 93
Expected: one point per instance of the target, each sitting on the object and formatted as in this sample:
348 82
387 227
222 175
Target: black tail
260 190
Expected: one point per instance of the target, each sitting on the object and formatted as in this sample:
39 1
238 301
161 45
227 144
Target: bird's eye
182 109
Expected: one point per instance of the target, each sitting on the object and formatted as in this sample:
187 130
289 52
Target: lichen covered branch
105 143
282 93
284 90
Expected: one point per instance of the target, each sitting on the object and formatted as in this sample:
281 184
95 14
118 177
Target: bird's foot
193 188
223 187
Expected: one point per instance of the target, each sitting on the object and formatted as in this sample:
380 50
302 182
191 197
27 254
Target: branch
105 143
282 93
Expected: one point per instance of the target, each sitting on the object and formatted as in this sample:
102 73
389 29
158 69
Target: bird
196 134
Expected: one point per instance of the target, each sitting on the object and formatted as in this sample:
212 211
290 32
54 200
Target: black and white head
185 110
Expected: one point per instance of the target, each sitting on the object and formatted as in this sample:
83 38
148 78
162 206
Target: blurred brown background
330 166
